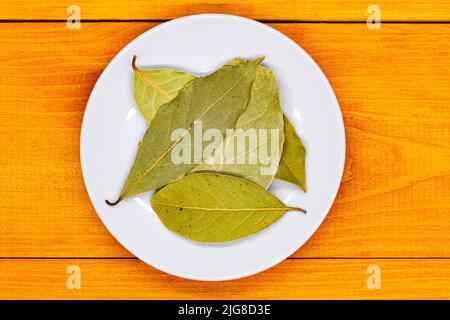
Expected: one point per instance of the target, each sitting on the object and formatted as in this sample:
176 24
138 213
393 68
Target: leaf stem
109 203
133 63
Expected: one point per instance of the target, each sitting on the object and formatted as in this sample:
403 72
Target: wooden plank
393 85
310 10
292 279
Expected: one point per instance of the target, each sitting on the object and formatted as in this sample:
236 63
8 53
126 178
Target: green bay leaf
217 100
292 163
155 87
263 112
208 207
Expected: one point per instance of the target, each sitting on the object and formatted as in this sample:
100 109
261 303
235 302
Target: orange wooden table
392 214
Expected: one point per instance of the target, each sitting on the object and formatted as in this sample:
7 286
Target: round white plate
112 127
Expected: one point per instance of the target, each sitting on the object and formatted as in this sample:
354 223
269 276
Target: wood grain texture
312 10
293 279
393 85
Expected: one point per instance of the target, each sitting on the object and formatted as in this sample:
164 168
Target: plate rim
340 127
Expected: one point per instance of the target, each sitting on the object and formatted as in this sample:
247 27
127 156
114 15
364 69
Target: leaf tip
297 209
259 60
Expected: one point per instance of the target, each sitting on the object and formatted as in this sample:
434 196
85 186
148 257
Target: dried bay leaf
155 87
292 163
208 207
217 100
263 112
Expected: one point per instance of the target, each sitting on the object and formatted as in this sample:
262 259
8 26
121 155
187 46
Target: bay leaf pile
210 200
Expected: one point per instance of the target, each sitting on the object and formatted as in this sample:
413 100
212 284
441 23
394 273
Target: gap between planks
262 21
289 258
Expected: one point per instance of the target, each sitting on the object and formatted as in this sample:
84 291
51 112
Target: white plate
112 127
